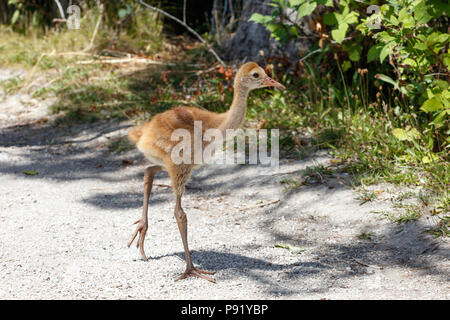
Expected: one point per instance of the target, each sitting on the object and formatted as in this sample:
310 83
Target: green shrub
408 45
374 87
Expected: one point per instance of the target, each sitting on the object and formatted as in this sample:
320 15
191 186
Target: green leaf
403 14
441 117
15 16
351 18
279 32
386 37
413 133
293 249
422 46
394 21
306 9
410 62
339 34
404 135
421 13
436 37
354 54
387 79
406 18
30 172
294 3
385 52
400 134
123 13
373 53
346 65
36 19
328 3
442 84
447 61
354 50
259 18
330 19
431 105
430 157
409 22
346 10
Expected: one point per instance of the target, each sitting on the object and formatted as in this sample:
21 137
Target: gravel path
63 231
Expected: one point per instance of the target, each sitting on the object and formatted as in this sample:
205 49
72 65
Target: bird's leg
142 224
182 226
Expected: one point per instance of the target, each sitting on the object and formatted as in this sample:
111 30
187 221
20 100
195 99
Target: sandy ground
63 231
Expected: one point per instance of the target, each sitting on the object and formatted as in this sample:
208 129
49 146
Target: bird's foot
192 271
142 230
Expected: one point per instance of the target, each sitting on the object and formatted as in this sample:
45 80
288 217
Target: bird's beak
269 82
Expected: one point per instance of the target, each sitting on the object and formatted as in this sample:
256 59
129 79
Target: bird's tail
135 134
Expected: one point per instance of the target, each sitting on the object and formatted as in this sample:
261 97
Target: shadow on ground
330 267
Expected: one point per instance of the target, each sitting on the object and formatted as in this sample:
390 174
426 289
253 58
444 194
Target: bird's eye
255 75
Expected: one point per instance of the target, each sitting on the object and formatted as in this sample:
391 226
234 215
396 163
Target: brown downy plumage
153 139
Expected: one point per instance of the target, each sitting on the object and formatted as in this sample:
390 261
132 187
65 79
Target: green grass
365 235
309 176
366 196
412 213
315 174
442 229
291 184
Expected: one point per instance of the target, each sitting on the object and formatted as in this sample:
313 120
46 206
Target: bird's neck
238 110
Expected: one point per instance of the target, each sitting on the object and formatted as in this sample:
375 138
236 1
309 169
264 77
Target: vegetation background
368 80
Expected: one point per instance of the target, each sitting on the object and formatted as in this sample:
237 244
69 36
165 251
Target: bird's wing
185 117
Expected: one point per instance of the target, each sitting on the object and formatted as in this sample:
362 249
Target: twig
365 264
167 186
61 11
162 185
33 71
259 205
56 20
232 18
47 84
187 27
126 60
91 43
75 53
311 53
199 72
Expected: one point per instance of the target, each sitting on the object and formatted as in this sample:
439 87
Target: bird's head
252 76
